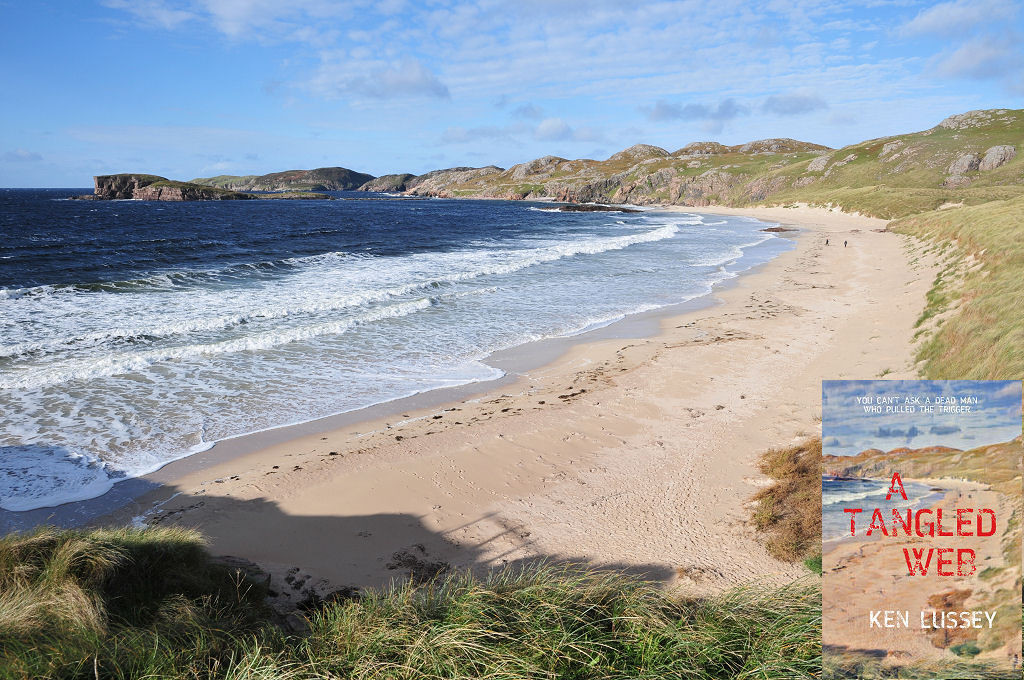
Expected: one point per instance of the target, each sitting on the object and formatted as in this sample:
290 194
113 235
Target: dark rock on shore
574 207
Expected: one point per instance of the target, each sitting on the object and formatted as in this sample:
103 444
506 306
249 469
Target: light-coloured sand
638 453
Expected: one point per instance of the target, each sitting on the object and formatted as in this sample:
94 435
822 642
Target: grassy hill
887 177
319 179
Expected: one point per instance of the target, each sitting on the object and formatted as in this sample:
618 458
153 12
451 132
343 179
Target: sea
867 494
135 333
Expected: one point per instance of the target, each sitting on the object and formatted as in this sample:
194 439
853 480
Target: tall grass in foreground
152 604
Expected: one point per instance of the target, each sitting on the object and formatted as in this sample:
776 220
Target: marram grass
152 604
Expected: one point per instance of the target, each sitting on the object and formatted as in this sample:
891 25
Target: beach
633 453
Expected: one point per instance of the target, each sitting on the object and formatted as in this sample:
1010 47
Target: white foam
132 375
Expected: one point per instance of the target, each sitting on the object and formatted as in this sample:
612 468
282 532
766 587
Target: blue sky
187 88
847 429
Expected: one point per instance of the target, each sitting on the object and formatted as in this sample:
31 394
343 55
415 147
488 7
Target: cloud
943 429
22 156
462 135
896 433
948 19
410 78
552 129
983 58
727 109
152 13
557 129
792 104
528 111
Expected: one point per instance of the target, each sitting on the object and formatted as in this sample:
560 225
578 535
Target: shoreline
511 362
635 454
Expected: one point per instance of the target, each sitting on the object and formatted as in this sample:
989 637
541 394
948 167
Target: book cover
921 528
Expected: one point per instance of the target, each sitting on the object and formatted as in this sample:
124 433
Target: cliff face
319 179
110 187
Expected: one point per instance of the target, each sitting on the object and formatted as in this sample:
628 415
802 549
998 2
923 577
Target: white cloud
983 58
152 12
22 156
959 17
408 78
552 129
793 104
713 116
462 135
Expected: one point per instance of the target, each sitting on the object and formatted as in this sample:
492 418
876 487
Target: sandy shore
638 454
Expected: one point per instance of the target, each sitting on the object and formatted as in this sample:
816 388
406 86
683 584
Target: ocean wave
116 364
832 499
167 318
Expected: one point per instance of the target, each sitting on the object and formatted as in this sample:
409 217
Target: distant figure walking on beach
826 241
844 244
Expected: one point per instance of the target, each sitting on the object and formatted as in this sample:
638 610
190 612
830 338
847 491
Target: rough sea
135 333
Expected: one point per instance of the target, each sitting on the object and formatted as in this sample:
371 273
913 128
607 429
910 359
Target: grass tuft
788 512
153 604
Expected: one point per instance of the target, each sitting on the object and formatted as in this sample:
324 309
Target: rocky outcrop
996 156
964 163
122 186
819 163
701 149
388 183
778 145
639 152
168 190
537 168
590 207
972 119
156 188
440 183
319 179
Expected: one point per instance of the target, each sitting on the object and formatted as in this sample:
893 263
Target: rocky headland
145 187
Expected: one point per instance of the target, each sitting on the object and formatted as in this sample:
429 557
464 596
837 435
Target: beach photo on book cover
921 507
